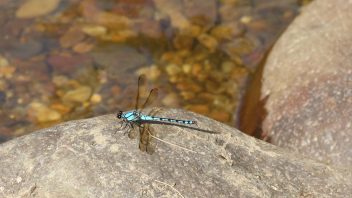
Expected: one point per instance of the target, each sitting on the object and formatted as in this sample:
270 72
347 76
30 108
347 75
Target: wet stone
150 29
227 67
3 61
94 30
123 57
188 86
208 41
194 30
24 50
4 138
205 10
222 32
199 108
43 113
83 47
80 94
173 10
183 41
186 68
171 58
2 97
173 69
7 71
67 64
227 31
96 98
3 2
152 72
187 95
170 100
221 116
71 37
35 8
115 90
61 108
206 97
241 46
60 81
232 12
196 69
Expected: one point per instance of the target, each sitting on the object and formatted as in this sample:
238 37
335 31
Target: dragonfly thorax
131 115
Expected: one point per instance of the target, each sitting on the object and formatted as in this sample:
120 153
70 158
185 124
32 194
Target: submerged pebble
199 108
173 69
80 94
171 100
221 116
208 41
43 113
35 8
95 99
2 97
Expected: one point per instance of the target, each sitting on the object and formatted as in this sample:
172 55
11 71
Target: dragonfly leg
196 123
126 131
132 132
122 127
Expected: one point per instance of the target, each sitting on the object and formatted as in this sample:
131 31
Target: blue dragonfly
135 118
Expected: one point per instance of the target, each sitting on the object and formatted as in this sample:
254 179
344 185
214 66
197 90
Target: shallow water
71 59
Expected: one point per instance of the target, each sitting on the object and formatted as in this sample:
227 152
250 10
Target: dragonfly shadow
182 126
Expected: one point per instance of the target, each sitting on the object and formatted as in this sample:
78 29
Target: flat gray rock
94 158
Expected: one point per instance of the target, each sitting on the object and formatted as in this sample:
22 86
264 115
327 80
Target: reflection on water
63 60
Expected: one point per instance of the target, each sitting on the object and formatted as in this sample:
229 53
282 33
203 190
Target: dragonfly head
119 115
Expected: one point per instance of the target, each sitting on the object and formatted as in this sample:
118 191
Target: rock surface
308 77
94 158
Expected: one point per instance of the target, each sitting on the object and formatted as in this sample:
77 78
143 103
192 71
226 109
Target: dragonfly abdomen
170 120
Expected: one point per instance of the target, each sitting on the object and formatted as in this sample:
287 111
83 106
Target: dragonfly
135 118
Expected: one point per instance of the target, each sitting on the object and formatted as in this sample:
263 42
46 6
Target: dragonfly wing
153 94
143 138
154 111
145 143
141 82
151 142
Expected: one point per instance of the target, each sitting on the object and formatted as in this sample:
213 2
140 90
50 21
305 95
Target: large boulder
308 81
95 158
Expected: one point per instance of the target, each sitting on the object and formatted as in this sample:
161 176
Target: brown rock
308 78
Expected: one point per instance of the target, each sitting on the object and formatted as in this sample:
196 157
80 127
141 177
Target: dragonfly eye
119 115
